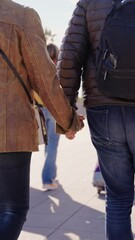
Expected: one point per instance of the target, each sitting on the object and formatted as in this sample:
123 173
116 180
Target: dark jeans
113 135
14 193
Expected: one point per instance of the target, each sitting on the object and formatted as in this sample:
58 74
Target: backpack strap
123 3
116 5
120 4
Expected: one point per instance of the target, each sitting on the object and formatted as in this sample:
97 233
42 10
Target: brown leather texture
23 41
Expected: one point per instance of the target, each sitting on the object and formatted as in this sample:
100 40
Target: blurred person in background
97 179
50 168
24 44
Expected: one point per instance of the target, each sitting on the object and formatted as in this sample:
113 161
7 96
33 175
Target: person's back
19 29
111 120
11 28
23 44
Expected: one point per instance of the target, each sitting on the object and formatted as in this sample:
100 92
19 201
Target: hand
70 134
81 118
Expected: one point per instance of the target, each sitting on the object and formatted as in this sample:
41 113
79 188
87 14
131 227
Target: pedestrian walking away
94 50
49 171
23 44
98 180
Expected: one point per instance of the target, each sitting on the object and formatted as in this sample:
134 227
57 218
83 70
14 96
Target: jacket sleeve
42 73
73 54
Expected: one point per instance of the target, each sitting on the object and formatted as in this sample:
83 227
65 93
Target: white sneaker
50 186
55 180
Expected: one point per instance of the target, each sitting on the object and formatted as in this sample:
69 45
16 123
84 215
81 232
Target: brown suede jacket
22 39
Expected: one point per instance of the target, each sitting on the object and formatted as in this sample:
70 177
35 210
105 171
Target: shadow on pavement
56 216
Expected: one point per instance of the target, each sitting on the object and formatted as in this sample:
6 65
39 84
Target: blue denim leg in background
14 193
49 169
113 135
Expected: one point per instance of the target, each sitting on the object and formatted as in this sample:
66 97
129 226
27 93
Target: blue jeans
14 193
113 135
49 168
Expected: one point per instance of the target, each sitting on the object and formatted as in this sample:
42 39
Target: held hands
81 119
71 134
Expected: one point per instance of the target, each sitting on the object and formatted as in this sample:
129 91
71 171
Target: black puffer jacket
77 52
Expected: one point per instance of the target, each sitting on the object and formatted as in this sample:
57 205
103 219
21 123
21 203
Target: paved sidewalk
74 211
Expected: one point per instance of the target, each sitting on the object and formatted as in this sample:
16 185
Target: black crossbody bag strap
17 75
42 118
